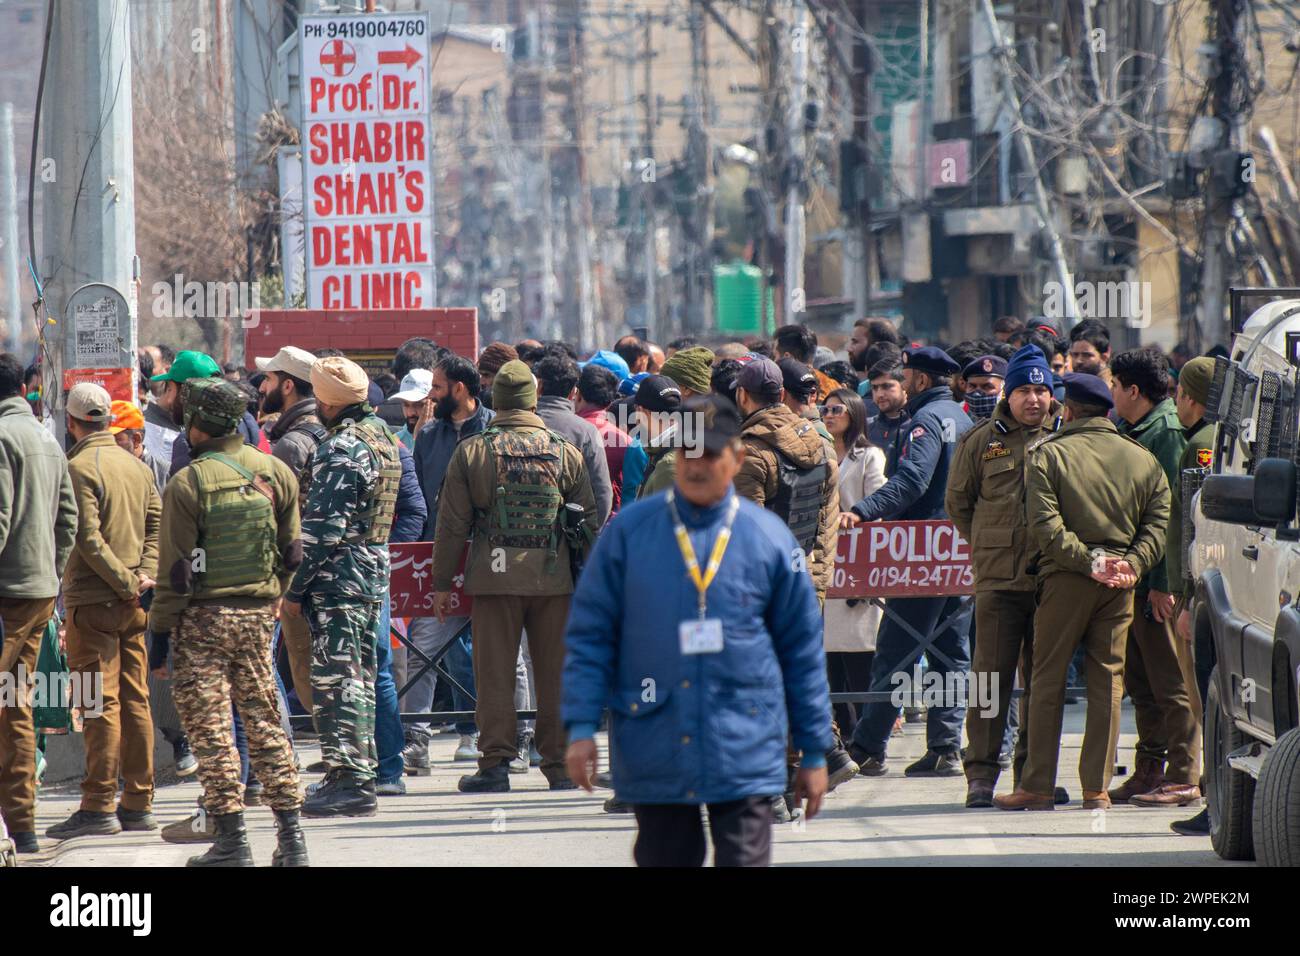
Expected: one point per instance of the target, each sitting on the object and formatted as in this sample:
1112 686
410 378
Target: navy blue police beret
931 360
986 365
1087 390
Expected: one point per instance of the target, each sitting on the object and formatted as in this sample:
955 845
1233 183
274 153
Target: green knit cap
690 368
1194 379
514 387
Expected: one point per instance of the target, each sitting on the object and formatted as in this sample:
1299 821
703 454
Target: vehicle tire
1277 804
1229 794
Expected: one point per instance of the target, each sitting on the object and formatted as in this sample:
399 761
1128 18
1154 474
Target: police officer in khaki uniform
985 500
508 489
1097 505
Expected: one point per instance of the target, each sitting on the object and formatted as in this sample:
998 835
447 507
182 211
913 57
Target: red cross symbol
339 57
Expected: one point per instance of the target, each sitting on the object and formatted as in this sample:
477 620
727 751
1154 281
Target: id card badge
701 635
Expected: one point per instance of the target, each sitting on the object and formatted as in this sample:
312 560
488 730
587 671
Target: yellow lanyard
703 581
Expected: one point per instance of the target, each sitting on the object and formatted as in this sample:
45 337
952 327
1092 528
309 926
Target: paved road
890 820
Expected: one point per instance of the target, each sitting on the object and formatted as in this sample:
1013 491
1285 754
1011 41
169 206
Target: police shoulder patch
995 449
916 433
1204 457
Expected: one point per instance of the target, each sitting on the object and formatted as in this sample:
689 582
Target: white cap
88 402
290 360
415 386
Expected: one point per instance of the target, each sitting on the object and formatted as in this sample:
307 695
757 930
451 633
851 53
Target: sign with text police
367 161
902 559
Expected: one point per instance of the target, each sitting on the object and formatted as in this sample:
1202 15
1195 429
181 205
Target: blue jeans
896 652
388 725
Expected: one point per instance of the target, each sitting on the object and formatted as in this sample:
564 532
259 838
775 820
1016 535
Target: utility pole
648 177
1042 201
13 306
794 211
548 211
861 239
699 244
85 174
1218 208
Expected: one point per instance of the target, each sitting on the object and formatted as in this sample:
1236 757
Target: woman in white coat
850 629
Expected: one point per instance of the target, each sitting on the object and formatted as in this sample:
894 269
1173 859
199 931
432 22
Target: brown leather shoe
1024 800
1148 775
1096 800
979 794
1168 795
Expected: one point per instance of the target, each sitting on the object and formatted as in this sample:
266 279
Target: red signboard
118 382
409 589
358 331
902 559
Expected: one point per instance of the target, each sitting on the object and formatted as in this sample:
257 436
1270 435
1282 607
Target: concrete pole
84 173
13 306
794 211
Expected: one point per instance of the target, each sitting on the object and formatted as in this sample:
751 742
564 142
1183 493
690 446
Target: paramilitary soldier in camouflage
523 492
985 500
227 548
342 580
1097 505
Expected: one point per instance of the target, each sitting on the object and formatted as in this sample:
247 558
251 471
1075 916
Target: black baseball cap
717 421
797 379
658 393
761 377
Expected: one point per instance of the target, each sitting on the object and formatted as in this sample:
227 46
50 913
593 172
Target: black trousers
672 834
848 672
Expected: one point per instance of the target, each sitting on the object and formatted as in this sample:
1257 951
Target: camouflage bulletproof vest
382 506
798 498
526 503
237 524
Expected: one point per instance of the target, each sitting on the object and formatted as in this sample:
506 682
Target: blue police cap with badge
930 360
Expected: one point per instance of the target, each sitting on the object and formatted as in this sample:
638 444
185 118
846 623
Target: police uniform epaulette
1000 425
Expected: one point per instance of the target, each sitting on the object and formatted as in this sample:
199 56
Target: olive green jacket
180 582
1161 433
118 511
1199 453
1089 488
985 498
469 491
660 471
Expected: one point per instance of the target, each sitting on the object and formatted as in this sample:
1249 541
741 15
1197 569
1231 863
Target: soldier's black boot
494 779
291 846
346 798
231 847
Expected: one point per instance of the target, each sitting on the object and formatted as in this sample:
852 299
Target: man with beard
294 438
1090 349
866 333
457 415
417 403
190 365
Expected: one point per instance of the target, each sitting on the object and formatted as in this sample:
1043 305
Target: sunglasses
834 409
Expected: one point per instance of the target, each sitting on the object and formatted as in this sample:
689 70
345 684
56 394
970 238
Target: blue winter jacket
408 522
699 728
914 492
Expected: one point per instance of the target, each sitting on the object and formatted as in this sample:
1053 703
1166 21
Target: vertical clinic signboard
367 161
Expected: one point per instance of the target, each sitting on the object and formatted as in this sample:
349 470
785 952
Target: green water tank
737 297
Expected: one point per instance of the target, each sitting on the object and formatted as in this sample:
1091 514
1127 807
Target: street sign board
902 559
367 153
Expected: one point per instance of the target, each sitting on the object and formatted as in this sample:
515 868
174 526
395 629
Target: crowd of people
648 537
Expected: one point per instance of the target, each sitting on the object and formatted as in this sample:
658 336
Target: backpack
798 499
237 524
526 504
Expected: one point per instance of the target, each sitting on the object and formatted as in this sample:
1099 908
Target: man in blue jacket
915 492
693 627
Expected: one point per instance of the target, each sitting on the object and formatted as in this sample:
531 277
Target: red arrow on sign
410 56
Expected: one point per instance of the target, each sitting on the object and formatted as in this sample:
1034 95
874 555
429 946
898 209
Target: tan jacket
777 429
469 490
985 498
117 526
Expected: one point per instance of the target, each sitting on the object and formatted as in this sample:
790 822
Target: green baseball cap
188 365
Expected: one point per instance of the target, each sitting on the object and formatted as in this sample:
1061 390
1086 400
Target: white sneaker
467 749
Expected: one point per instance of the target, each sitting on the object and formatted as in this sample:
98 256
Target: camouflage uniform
342 580
223 625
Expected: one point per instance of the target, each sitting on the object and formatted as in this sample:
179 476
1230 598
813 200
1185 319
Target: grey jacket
291 437
559 416
433 449
38 508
